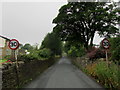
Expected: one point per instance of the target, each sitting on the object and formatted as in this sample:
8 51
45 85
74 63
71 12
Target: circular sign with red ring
13 44
105 43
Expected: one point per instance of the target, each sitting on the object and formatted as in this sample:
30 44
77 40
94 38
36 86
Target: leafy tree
44 53
79 21
114 42
115 49
27 47
67 47
52 42
74 49
76 52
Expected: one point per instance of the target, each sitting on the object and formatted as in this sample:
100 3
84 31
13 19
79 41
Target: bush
7 57
74 52
108 76
45 53
115 42
95 53
115 49
27 58
81 52
42 54
116 55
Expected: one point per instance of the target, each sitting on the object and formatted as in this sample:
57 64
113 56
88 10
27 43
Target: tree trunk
91 42
86 46
92 37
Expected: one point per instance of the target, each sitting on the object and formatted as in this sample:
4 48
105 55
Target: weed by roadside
107 76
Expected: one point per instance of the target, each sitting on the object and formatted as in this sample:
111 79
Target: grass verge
109 77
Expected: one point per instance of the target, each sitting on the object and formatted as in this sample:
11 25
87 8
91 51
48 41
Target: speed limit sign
105 43
13 44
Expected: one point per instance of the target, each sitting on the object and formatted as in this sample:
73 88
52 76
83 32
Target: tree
115 49
52 42
79 21
27 47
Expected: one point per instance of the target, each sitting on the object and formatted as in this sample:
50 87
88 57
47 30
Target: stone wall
0 77
84 61
26 72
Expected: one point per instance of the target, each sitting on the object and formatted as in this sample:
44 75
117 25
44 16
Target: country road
63 75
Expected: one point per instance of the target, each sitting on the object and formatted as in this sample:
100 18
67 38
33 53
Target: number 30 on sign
105 43
13 44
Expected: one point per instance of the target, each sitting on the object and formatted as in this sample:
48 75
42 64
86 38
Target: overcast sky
29 21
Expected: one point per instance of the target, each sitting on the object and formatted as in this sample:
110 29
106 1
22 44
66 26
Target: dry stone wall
26 72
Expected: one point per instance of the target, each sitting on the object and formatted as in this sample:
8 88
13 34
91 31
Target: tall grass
107 76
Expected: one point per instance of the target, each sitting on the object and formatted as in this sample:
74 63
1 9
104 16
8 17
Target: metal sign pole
106 57
16 59
16 68
106 45
14 44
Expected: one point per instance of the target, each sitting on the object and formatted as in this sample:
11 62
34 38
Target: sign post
106 45
13 45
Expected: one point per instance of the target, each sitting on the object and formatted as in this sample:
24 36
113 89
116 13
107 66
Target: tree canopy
27 46
79 21
52 42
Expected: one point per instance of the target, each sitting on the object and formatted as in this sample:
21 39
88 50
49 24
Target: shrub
95 53
115 42
115 49
45 53
36 55
108 76
81 51
7 57
72 52
75 52
116 54
27 58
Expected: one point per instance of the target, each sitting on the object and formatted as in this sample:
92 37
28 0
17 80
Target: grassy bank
109 77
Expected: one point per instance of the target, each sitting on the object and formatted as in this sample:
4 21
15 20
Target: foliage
76 52
27 47
2 60
27 58
115 49
45 53
72 52
78 21
52 42
42 54
115 42
7 57
116 54
67 46
95 53
109 77
91 69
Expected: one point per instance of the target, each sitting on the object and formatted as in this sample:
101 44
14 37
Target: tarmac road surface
63 75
